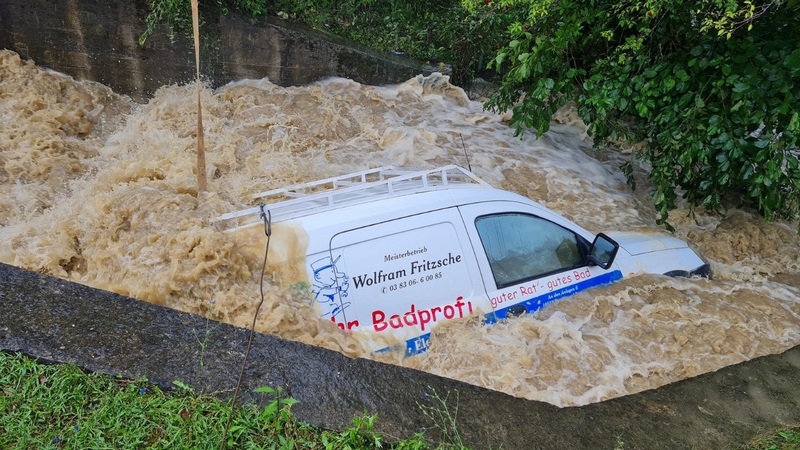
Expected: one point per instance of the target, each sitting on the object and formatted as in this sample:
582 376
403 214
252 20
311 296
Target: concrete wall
98 40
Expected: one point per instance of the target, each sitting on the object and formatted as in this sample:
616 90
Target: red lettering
413 320
504 297
583 275
529 290
434 310
350 325
415 317
377 320
424 317
459 304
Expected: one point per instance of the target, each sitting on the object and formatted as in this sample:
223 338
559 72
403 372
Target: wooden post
202 182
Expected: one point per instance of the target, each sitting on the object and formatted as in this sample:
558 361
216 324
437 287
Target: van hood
640 243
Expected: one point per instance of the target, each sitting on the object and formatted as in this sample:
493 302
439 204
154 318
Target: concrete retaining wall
65 322
98 40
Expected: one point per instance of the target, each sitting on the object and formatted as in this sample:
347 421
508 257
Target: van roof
347 190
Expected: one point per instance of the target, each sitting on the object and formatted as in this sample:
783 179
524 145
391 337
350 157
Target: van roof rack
353 188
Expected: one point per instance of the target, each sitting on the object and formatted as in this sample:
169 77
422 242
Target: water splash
100 190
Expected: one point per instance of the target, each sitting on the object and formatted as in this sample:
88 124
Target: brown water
100 190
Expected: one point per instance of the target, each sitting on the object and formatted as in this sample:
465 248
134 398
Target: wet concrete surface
59 321
98 40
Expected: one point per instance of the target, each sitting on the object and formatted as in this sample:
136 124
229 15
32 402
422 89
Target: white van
398 251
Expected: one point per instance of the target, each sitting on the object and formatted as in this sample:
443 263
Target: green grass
783 438
59 406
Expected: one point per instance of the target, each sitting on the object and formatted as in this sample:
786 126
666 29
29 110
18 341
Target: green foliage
437 31
476 38
177 14
59 406
783 438
728 17
711 87
360 435
399 25
278 409
442 412
426 31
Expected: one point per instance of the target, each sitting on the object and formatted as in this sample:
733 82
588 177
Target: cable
266 216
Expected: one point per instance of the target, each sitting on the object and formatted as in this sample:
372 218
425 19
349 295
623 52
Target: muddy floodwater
98 189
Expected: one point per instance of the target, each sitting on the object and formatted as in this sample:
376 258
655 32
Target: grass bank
782 438
61 407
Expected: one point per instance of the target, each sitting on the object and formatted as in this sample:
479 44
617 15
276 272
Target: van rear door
403 276
529 257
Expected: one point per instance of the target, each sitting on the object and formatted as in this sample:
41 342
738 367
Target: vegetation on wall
176 15
438 32
441 31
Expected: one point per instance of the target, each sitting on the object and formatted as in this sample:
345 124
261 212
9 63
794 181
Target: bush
177 14
712 88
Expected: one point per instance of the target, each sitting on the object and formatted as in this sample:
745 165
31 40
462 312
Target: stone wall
98 40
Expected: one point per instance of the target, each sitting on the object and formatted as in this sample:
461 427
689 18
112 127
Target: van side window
521 247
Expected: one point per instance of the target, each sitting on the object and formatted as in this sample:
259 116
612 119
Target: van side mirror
603 251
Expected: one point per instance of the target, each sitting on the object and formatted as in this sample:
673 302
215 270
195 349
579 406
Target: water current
100 190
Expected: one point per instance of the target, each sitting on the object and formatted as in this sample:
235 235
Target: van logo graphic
328 282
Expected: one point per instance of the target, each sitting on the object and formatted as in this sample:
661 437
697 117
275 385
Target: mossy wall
98 40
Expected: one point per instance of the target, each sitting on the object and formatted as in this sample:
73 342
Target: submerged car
399 251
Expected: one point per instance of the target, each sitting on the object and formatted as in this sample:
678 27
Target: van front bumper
702 271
